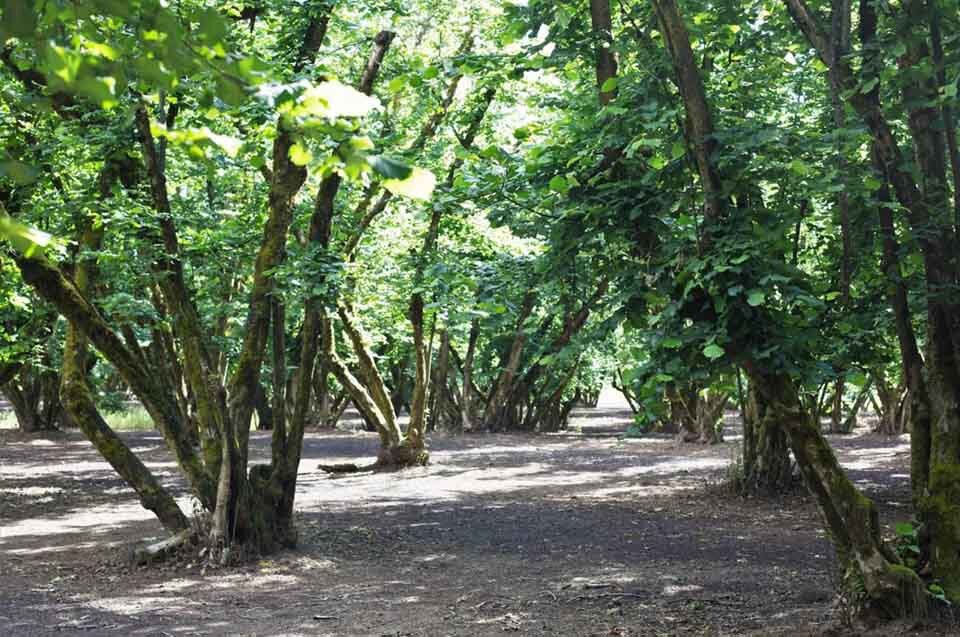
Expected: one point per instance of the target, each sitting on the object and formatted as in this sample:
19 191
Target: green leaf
300 154
713 351
212 26
99 89
609 85
559 184
756 297
521 133
678 150
18 171
396 84
230 90
389 167
25 239
799 167
858 379
418 185
333 100
671 343
904 529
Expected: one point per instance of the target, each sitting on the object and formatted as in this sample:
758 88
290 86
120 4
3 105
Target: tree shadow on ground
538 535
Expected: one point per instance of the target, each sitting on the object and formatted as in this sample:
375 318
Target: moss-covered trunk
75 389
766 454
891 589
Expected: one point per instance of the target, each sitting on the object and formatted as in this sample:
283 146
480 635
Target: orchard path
582 533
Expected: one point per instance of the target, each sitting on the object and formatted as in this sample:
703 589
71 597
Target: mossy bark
709 416
369 374
766 454
78 399
892 590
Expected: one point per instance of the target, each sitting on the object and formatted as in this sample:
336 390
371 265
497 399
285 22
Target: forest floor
581 533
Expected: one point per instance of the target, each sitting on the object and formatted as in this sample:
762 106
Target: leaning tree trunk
496 414
889 406
466 399
851 518
75 389
892 589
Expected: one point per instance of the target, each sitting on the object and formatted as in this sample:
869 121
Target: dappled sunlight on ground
500 533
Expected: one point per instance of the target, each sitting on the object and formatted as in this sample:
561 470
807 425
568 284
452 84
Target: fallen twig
603 595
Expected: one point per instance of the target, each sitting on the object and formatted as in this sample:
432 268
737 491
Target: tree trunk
496 416
849 423
893 590
684 405
710 417
466 400
766 455
627 394
888 406
75 390
606 65
890 587
421 354
840 37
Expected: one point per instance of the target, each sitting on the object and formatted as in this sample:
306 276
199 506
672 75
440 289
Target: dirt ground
583 533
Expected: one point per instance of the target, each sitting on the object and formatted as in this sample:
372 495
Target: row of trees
475 214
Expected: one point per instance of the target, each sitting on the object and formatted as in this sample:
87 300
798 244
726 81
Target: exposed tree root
163 549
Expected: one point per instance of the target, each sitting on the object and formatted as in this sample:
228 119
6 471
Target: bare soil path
583 533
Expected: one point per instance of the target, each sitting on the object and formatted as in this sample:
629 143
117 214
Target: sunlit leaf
300 154
756 297
333 100
559 184
418 185
25 239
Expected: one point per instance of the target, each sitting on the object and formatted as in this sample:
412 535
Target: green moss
941 510
908 595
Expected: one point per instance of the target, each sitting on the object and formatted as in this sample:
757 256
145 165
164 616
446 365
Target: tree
250 506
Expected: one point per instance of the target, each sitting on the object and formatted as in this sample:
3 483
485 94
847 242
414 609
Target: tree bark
606 65
850 517
466 400
766 454
495 416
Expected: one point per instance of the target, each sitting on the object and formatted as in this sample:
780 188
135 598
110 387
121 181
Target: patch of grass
135 419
